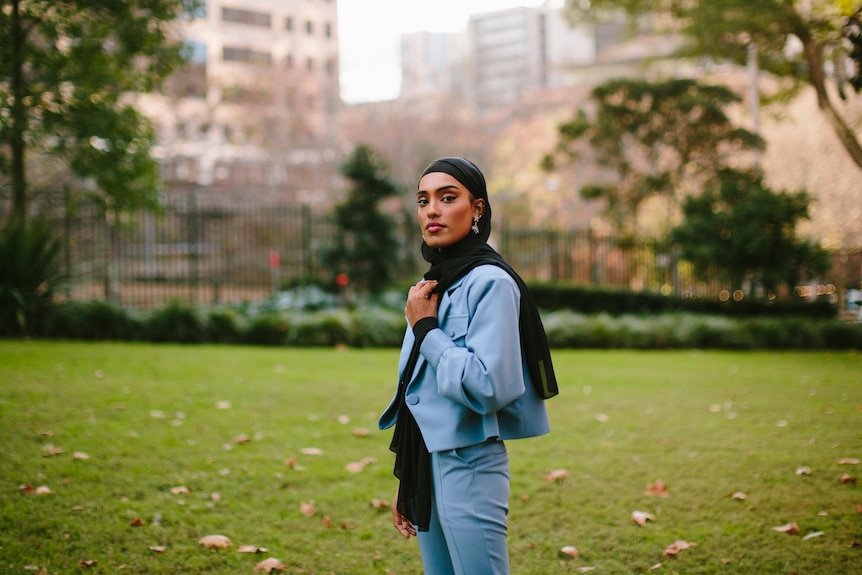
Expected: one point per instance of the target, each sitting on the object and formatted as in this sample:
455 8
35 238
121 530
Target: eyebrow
441 189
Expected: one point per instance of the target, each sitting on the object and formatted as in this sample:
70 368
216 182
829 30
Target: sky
369 33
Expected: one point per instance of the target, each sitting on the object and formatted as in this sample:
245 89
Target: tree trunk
19 118
814 57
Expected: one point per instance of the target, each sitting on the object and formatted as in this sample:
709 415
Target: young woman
474 371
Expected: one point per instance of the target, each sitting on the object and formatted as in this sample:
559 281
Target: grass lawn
165 444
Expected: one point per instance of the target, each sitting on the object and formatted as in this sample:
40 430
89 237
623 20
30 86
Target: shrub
320 329
377 328
177 322
95 319
267 329
30 274
224 326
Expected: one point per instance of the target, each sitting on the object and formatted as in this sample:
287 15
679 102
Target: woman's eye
422 201
448 199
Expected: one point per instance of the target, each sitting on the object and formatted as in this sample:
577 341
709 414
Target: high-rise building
257 107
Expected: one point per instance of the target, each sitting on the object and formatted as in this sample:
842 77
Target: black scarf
412 461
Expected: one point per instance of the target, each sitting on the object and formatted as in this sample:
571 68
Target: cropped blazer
470 383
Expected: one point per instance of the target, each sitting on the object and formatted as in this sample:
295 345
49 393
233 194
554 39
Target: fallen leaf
803 470
656 566
46 433
270 564
311 451
586 569
180 490
252 549
674 548
640 517
854 543
290 462
658 489
859 508
241 438
26 488
43 490
789 528
361 432
848 461
602 418
50 450
847 480
137 522
560 475
223 405
812 535
87 563
570 551
379 504
215 542
158 548
307 508
343 419
739 495
80 455
358 466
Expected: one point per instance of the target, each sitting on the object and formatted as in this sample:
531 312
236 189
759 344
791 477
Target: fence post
67 240
305 212
193 245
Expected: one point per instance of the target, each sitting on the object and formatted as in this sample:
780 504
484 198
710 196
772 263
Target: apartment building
256 109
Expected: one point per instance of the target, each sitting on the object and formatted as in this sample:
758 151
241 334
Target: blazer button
412 399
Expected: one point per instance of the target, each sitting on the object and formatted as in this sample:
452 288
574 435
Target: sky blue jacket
470 383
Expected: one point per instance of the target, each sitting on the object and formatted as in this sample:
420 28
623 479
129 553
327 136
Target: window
309 64
193 11
309 27
197 52
248 17
288 61
245 55
288 23
328 30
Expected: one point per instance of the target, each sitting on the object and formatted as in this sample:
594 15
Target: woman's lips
433 228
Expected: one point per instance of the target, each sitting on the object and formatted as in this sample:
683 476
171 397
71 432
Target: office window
249 17
245 55
309 64
309 27
328 30
288 23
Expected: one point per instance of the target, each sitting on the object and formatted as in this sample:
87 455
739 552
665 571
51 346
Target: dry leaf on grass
789 528
87 563
51 450
80 455
307 508
848 461
739 495
361 432
570 551
251 549
180 490
241 438
137 522
215 542
358 466
674 548
804 470
640 517
379 504
812 535
848 480
657 489
158 548
269 565
559 475
311 451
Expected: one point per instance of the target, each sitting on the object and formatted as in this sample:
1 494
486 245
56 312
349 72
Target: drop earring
475 227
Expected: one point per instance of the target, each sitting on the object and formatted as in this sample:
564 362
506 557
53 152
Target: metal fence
212 255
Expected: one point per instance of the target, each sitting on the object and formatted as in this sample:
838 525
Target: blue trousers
467 534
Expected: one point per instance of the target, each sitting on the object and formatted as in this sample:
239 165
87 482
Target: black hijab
412 461
449 264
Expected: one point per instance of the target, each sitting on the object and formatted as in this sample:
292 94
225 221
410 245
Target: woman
474 371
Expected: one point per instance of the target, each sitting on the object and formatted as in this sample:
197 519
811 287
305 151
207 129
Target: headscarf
412 461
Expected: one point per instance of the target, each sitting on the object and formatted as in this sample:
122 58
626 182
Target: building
256 110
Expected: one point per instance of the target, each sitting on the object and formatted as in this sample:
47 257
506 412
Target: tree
747 232
365 246
658 139
68 69
730 30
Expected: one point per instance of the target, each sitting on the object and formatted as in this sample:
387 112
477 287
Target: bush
30 275
176 322
95 319
267 329
224 326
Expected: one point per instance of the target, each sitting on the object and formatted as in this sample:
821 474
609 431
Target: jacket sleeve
477 357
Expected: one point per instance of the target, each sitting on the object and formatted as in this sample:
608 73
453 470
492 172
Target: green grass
706 423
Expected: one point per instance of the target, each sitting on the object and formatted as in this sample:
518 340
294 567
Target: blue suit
469 392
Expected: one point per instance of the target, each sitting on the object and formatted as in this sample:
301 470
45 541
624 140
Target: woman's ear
480 207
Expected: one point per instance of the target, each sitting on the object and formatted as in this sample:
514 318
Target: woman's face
446 209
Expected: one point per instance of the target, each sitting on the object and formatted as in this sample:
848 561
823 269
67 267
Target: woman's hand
402 524
421 303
